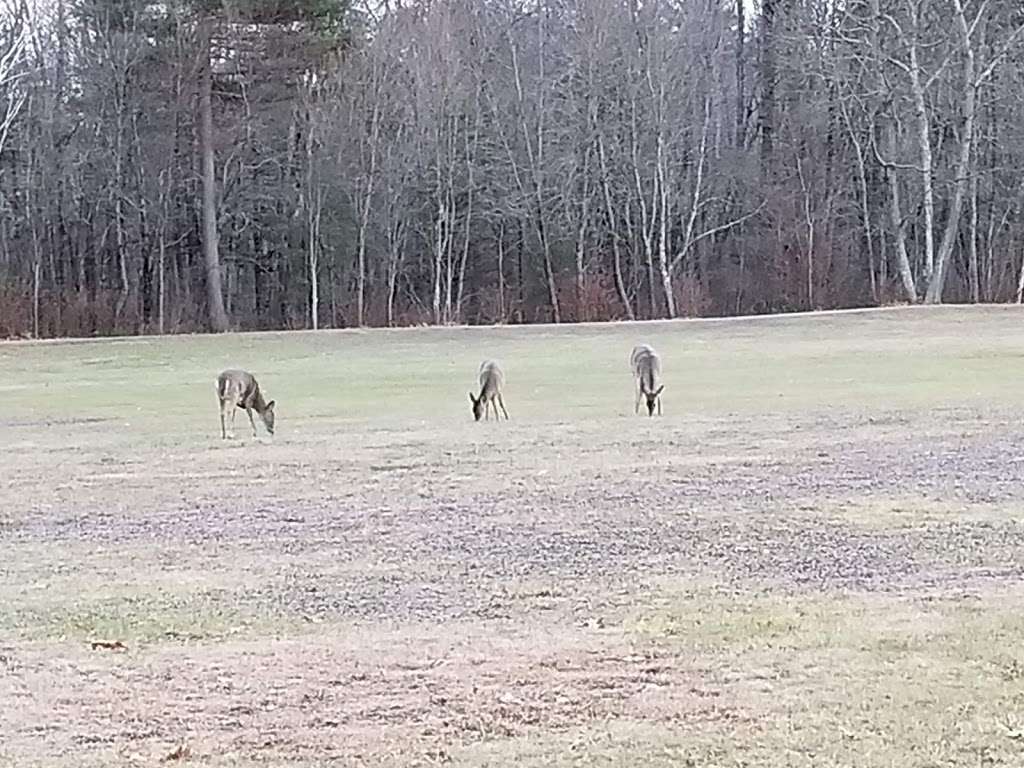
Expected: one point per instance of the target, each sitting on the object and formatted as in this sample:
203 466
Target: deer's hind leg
229 405
227 431
501 402
639 395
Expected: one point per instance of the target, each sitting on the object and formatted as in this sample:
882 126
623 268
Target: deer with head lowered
492 379
646 366
239 389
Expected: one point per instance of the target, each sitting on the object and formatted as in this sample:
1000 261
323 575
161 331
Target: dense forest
198 164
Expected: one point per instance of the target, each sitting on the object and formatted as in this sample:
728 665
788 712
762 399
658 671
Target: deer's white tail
223 387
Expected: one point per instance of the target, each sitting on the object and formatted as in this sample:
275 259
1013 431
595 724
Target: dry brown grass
813 559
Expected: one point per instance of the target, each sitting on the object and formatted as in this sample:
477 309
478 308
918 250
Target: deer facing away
646 366
492 380
239 389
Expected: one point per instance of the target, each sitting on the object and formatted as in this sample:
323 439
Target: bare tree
218 317
472 161
12 55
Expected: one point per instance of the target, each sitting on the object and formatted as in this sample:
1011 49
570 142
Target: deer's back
236 384
492 378
646 364
644 359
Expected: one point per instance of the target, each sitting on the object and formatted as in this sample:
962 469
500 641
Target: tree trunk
809 223
963 165
620 286
582 312
314 209
549 272
865 209
314 260
663 209
161 290
972 239
394 264
896 216
1020 282
439 250
471 151
119 190
520 272
364 214
741 75
37 269
161 254
647 216
218 317
924 147
449 253
501 271
900 229
767 106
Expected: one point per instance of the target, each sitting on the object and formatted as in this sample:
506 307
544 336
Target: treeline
304 163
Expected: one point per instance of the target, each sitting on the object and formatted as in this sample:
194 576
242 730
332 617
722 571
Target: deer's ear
270 405
472 399
658 392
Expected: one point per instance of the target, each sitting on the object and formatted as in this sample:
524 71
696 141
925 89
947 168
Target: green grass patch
145 619
885 359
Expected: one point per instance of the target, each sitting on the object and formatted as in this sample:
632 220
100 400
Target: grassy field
813 559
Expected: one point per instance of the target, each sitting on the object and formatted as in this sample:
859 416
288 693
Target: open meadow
814 558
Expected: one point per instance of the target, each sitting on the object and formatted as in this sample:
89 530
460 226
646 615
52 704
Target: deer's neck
258 403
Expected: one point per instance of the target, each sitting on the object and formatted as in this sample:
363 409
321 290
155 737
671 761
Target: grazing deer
239 389
646 365
492 379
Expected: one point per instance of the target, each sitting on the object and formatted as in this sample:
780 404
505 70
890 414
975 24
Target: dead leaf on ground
103 645
180 752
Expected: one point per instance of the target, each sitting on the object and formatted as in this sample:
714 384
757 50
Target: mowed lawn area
814 558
